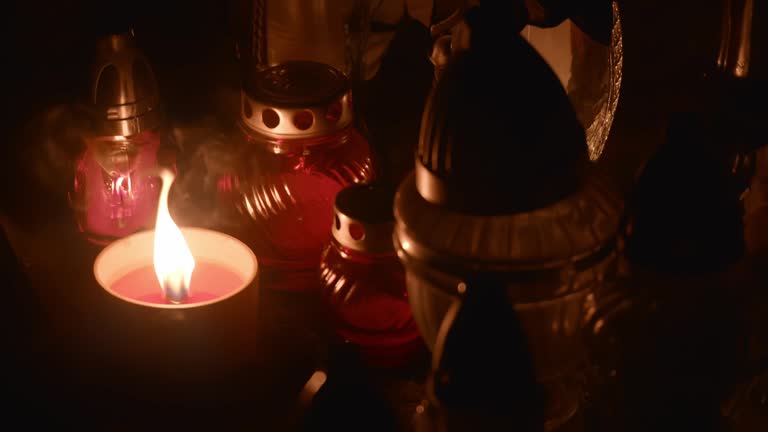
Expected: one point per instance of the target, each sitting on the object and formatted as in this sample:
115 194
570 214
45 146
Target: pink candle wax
210 282
224 266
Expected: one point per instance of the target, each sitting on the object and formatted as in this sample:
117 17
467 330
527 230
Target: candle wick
175 287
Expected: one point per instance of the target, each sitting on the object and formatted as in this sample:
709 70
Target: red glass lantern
363 282
114 193
297 148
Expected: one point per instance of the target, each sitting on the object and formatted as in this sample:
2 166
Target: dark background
48 47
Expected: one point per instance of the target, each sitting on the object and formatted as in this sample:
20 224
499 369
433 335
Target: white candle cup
136 251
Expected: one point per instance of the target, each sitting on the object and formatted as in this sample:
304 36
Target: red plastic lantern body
297 149
363 282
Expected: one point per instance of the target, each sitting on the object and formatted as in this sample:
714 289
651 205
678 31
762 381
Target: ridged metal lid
571 230
124 94
499 134
363 218
298 99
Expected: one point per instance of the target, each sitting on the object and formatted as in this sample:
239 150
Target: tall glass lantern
272 32
506 232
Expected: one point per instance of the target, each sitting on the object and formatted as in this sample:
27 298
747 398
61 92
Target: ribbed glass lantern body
368 303
332 32
284 201
295 148
555 263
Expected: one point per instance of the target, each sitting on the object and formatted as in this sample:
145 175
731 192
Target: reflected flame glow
172 258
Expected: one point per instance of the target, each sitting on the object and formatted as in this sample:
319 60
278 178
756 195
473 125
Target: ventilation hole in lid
356 231
338 222
270 118
303 120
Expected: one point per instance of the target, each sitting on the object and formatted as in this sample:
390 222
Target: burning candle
172 267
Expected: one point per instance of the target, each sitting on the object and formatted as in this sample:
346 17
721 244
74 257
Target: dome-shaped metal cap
499 134
298 99
124 94
363 218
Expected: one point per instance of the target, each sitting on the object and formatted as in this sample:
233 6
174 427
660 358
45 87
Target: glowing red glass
368 303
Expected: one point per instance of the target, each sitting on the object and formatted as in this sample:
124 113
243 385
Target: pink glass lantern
296 149
363 282
114 194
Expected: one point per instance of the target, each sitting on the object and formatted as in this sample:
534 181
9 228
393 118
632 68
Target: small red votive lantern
363 282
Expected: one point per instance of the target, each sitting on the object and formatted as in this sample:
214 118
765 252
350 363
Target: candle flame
173 259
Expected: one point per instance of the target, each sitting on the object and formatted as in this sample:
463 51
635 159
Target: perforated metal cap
124 95
363 218
299 99
499 134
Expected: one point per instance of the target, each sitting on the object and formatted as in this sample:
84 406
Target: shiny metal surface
363 219
590 71
301 30
553 325
298 99
735 55
124 95
333 32
554 242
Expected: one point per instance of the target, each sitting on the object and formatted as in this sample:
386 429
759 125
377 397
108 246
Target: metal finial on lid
363 218
498 136
124 93
299 99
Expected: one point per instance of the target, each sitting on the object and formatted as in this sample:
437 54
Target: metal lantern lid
124 93
499 134
297 99
563 238
363 219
